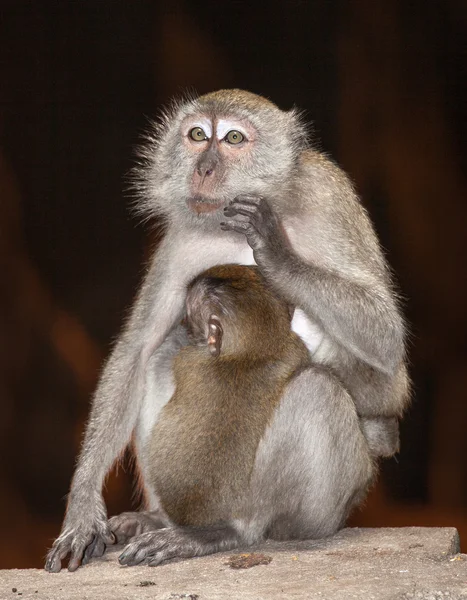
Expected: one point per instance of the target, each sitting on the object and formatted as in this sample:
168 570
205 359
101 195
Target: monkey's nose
202 172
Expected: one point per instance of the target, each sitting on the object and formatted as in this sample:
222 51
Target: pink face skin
214 155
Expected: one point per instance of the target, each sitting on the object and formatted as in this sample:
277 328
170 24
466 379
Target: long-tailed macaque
236 181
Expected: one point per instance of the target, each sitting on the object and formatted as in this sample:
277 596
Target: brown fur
204 443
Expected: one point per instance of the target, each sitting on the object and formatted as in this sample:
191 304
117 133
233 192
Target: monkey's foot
130 524
82 543
155 547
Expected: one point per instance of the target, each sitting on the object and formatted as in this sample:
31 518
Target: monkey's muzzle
201 205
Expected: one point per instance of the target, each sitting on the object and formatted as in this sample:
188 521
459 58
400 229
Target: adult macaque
236 182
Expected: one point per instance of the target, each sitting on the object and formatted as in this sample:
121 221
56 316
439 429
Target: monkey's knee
382 435
315 447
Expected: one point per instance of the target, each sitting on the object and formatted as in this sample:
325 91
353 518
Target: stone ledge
394 563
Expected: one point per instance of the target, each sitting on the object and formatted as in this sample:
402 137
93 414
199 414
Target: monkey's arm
363 320
350 297
114 411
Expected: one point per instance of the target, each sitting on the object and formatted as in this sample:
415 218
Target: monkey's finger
247 210
77 555
244 215
251 198
160 557
239 217
95 548
99 548
89 550
75 563
54 559
259 206
132 556
253 238
240 226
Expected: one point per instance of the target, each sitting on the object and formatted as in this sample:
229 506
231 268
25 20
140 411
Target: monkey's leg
127 525
178 542
312 465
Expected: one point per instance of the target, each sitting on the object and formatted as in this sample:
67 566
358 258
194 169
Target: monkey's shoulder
315 161
331 226
322 179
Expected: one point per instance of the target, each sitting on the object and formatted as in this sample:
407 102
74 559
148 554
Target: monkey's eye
234 137
198 134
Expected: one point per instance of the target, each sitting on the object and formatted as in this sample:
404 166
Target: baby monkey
228 382
202 451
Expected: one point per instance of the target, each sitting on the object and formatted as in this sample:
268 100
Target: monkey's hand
253 216
84 535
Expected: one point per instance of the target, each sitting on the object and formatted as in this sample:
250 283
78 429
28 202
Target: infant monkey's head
234 313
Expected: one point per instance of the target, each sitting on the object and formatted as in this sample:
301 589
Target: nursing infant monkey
266 418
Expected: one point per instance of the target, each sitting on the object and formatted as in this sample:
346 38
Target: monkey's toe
140 549
155 547
53 563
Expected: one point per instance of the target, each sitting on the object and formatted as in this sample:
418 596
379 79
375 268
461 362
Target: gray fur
316 455
312 466
317 247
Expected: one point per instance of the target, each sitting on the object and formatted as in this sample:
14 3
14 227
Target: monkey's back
203 446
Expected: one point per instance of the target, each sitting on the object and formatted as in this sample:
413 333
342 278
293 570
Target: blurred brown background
384 83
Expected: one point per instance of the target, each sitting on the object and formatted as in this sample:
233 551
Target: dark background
384 84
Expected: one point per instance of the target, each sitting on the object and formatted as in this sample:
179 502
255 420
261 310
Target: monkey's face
217 149
212 149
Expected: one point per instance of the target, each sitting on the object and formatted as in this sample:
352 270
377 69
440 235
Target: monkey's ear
214 335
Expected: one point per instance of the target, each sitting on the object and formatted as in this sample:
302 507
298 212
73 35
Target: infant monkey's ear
214 335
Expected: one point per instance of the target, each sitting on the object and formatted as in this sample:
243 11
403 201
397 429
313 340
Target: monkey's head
234 314
208 150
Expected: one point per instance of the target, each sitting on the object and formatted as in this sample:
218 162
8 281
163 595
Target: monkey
228 383
236 180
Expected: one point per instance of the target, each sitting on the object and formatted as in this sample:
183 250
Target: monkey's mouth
201 205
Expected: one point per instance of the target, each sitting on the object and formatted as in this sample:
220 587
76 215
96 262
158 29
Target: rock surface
406 563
